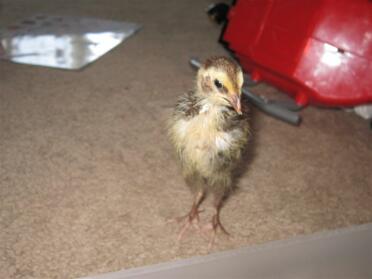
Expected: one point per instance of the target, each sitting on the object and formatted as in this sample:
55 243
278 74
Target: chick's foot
189 220
192 218
211 228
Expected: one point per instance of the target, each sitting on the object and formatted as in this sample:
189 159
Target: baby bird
209 131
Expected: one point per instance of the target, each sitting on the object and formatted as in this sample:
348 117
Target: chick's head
221 79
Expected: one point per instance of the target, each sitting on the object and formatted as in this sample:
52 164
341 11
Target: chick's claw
210 230
191 219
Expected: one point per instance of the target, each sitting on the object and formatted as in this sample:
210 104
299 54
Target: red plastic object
319 51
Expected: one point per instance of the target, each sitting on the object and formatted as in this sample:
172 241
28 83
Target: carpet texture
88 177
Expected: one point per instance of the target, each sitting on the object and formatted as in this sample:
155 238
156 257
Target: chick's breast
202 143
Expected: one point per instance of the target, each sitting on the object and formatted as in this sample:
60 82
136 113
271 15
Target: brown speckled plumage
209 130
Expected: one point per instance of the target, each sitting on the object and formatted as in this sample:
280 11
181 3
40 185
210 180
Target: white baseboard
344 253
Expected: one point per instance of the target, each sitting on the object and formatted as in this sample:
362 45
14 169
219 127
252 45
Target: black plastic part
218 12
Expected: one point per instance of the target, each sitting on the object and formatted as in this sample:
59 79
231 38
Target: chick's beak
235 102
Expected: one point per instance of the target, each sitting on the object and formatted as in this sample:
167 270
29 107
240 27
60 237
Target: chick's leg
192 217
215 223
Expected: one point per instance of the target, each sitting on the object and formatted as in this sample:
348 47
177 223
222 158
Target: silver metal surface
64 42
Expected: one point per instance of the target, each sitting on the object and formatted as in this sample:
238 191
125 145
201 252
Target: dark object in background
218 12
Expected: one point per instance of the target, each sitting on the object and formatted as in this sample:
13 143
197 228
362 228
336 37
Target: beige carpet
88 177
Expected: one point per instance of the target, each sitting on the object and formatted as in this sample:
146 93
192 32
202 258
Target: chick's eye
217 83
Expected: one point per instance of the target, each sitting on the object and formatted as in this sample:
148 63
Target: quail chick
209 130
